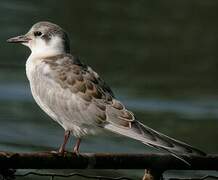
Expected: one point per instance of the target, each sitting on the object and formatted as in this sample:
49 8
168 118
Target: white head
44 39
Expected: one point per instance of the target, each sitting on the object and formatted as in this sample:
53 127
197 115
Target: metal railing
155 164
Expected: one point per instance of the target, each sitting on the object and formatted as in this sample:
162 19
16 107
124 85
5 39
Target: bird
76 97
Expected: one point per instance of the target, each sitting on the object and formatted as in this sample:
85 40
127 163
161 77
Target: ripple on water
199 109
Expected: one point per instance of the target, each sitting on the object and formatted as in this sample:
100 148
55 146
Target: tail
155 139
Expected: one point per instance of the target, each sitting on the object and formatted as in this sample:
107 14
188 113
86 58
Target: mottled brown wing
100 106
81 80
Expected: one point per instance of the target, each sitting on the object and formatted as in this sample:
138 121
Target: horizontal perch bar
161 162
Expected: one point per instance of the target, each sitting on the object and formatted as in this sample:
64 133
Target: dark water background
159 57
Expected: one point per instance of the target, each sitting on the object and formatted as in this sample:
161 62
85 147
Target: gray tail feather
173 154
157 140
172 145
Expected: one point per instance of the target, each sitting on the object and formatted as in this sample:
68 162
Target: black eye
37 33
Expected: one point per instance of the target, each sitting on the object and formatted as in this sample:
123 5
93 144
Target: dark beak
19 39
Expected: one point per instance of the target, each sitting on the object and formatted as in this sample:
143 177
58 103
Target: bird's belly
62 106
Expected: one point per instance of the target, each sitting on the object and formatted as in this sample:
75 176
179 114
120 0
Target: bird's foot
54 152
60 153
76 147
76 151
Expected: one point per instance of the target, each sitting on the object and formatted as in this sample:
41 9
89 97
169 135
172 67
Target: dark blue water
160 58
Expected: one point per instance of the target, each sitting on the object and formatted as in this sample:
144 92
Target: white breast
32 65
60 104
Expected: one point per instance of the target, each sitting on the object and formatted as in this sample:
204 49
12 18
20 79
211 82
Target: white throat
40 48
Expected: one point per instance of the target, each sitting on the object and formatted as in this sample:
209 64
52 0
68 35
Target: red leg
63 146
76 147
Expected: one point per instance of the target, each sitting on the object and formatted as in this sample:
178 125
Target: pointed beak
19 39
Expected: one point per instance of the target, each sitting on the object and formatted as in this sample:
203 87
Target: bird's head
44 38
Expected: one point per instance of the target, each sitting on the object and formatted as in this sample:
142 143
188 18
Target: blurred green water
159 57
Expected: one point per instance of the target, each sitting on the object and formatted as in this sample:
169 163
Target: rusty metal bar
157 162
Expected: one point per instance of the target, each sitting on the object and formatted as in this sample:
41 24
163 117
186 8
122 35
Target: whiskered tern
76 97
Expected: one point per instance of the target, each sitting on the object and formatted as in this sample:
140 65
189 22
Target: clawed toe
76 152
60 153
54 152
